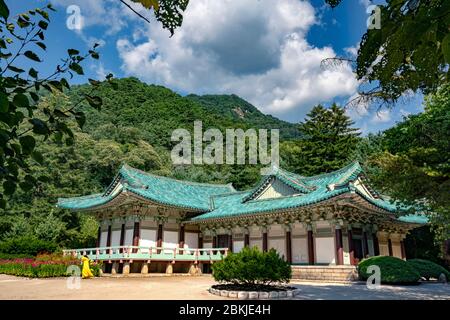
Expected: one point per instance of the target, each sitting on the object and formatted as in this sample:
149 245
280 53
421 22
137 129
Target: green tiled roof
414 218
159 189
222 201
315 188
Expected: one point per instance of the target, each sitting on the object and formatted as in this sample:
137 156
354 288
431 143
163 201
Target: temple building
150 223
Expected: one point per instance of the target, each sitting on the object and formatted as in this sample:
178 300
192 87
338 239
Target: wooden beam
351 247
99 234
402 247
339 247
181 236
366 244
376 246
310 247
122 236
288 247
136 235
265 245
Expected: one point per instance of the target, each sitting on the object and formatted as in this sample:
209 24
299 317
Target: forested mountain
236 108
156 111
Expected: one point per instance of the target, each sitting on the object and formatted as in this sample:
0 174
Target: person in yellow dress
86 272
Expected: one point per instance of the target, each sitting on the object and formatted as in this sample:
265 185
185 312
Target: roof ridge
300 183
128 167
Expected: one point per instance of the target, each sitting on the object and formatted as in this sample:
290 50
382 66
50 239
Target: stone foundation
325 273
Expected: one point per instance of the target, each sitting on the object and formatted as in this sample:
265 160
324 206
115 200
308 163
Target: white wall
147 239
103 239
299 250
115 238
191 240
170 240
325 250
257 243
207 245
128 237
279 245
238 245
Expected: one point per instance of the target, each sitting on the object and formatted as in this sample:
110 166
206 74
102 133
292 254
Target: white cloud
382 116
256 49
356 108
365 3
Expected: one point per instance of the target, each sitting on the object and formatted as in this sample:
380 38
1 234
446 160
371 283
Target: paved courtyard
195 288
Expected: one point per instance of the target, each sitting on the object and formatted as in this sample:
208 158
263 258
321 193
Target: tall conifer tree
327 144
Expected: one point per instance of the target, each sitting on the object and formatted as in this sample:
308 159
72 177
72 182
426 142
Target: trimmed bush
428 269
27 245
393 270
252 267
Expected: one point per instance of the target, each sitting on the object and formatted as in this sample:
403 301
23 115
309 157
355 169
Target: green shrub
27 245
393 270
252 267
428 269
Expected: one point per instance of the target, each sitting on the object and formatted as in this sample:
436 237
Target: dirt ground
195 288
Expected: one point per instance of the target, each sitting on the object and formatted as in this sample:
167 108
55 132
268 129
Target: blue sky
266 51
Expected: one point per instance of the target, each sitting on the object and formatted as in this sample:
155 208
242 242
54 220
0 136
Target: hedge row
397 271
428 269
41 269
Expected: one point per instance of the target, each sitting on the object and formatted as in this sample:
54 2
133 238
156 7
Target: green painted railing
130 253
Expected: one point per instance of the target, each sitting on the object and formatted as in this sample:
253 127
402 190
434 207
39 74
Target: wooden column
181 236
200 240
288 247
265 241
376 246
159 237
230 242
108 237
310 247
339 247
122 236
214 243
365 244
390 247
99 234
246 240
351 247
136 235
402 247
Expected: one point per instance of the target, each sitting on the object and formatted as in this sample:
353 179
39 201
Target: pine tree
328 141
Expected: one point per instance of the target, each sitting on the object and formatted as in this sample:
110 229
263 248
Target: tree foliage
327 144
414 166
409 53
22 122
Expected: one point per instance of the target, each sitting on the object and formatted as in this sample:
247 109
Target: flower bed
39 268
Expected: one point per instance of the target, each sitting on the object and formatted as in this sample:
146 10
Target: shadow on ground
359 291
